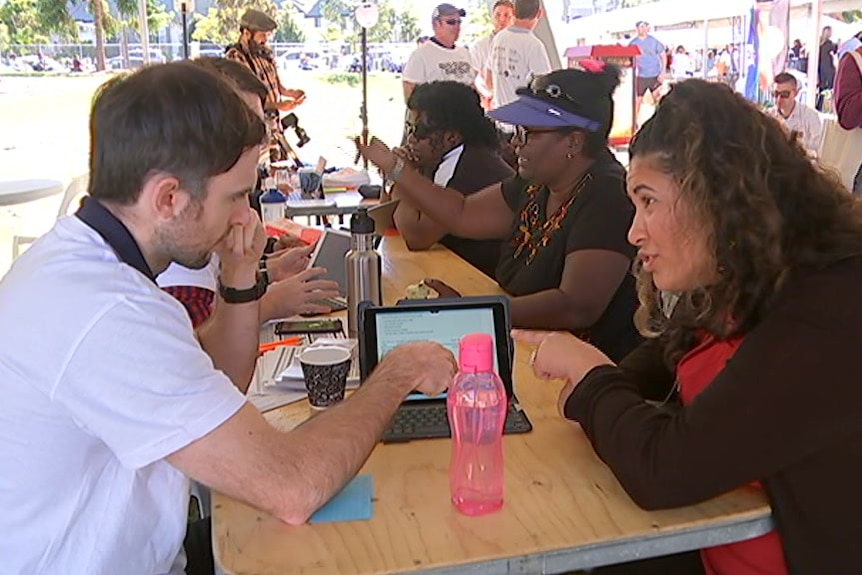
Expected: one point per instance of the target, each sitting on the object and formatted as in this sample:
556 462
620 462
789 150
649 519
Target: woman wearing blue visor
562 220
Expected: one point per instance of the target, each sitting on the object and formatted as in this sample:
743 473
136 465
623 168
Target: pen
265 347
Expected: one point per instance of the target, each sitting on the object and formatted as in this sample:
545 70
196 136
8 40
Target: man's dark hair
236 72
527 9
786 78
453 106
176 118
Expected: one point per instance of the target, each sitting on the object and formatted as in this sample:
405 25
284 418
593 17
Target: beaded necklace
533 235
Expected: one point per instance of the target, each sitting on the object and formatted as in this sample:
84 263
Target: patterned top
262 64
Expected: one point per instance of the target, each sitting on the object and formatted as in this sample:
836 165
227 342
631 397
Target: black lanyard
115 233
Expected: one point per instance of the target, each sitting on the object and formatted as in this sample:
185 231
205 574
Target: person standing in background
826 65
650 65
848 100
503 15
439 58
252 49
517 55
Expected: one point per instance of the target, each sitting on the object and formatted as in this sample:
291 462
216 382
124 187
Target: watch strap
234 295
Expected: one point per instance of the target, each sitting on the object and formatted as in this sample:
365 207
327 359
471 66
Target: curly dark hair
453 106
769 209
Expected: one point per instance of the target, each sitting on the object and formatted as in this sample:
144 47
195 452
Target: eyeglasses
782 93
419 131
522 134
451 21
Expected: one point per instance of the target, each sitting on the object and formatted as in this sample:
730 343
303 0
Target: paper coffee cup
325 370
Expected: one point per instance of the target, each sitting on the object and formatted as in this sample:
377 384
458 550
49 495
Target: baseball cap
568 98
447 10
257 21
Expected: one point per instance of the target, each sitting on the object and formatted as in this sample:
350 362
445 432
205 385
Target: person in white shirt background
104 419
503 15
517 55
682 65
439 58
797 116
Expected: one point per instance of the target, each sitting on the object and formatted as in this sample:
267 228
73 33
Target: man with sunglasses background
796 116
517 55
450 141
439 58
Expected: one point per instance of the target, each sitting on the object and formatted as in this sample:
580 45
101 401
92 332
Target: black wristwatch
233 295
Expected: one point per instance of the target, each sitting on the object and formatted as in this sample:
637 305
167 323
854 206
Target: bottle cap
476 353
361 222
273 196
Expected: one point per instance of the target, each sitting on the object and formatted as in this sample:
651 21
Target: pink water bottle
477 412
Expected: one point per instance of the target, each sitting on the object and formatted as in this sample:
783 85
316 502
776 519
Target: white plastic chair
77 186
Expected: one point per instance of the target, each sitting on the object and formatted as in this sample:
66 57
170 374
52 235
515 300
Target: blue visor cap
530 111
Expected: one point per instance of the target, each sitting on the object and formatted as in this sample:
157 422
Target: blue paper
353 503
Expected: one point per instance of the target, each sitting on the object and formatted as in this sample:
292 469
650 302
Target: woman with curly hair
755 369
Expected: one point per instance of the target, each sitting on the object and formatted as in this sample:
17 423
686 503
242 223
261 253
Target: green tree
221 24
5 38
22 22
157 15
393 25
852 15
288 29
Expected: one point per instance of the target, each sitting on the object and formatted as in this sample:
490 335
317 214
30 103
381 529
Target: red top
848 92
760 556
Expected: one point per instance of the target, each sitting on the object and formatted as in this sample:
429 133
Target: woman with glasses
450 141
756 370
562 220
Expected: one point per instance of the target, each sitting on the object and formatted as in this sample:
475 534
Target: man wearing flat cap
439 58
252 49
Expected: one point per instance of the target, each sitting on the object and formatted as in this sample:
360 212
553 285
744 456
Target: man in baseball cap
252 49
439 58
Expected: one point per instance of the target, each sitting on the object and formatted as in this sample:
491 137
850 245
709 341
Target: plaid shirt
263 66
198 302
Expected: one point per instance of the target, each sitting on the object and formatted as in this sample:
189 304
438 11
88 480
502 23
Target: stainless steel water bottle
362 264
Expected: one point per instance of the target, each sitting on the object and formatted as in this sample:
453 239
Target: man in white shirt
797 116
503 15
439 58
107 414
517 55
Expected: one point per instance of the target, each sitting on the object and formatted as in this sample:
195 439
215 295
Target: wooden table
563 507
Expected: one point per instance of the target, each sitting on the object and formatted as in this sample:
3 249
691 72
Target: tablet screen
329 253
387 328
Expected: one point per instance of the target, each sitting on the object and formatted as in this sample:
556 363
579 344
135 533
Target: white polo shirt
431 62
101 378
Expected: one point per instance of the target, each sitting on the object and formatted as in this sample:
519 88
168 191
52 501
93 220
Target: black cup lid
361 222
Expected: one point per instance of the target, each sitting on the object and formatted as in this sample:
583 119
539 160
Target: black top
598 219
477 169
826 67
787 411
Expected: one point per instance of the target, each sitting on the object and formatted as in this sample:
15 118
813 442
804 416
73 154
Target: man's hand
288 241
287 263
295 295
240 251
425 366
